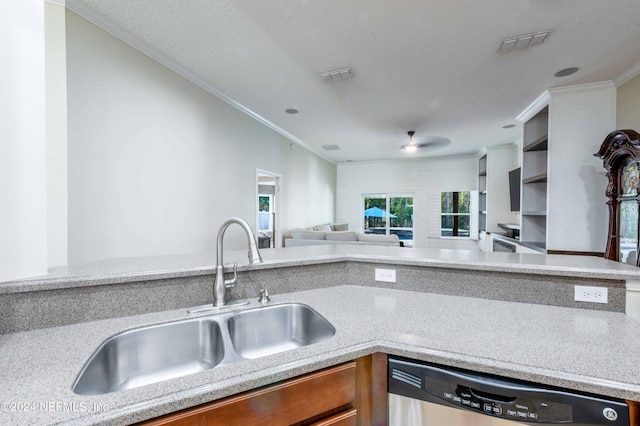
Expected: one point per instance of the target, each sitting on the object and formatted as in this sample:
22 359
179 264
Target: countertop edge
99 279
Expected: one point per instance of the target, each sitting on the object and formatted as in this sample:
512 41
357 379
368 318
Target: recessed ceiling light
567 71
291 111
509 126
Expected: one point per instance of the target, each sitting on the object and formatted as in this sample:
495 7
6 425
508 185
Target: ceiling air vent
331 147
341 74
522 41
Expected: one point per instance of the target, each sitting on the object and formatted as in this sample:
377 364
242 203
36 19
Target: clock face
630 178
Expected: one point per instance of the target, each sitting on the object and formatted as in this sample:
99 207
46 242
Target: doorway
268 232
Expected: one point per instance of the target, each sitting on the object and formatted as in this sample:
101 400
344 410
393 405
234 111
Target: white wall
580 117
628 105
501 160
56 119
23 221
424 178
156 164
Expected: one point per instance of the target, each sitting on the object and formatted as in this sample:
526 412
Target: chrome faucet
221 285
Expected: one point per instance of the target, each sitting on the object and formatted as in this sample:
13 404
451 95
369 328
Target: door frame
277 220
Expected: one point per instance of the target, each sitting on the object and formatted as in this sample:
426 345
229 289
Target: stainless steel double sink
161 352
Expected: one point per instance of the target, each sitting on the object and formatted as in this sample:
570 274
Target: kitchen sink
161 352
275 329
152 354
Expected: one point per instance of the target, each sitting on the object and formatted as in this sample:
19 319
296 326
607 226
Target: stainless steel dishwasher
422 394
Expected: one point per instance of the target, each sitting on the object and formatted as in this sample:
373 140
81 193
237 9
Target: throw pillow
340 226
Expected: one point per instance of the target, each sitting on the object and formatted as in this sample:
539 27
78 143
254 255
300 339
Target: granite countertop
160 267
579 349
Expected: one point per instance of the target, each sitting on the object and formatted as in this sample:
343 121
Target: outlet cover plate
583 293
385 275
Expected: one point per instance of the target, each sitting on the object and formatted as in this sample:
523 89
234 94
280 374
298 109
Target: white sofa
336 234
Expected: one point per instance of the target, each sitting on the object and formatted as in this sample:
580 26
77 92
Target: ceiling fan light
410 147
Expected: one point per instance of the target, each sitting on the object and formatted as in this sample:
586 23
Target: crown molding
98 20
535 107
582 87
629 74
544 99
56 2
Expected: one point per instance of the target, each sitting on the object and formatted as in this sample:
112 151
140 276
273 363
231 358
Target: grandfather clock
620 153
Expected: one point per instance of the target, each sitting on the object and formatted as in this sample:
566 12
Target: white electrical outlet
386 275
583 293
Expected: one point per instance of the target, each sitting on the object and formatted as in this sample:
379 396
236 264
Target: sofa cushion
307 234
341 236
378 238
340 226
324 228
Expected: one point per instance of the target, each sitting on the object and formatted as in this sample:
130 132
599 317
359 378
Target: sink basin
152 354
273 329
156 353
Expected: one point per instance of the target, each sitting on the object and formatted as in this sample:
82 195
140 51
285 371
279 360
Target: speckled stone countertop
572 348
160 267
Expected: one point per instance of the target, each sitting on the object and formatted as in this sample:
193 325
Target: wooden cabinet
337 396
348 418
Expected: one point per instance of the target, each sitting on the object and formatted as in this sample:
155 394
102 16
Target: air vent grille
409 378
341 74
331 147
523 41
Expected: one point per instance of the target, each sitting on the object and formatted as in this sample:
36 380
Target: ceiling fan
429 142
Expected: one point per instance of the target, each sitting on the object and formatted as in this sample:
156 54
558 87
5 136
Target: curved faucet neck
254 254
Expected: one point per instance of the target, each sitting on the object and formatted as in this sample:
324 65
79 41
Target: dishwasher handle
487 396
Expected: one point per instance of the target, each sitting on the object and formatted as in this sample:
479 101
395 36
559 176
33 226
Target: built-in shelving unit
482 190
539 144
562 207
534 180
542 177
494 207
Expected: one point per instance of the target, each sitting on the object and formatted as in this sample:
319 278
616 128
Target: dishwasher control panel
495 396
521 409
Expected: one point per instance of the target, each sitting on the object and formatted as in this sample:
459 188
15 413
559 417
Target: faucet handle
233 281
264 296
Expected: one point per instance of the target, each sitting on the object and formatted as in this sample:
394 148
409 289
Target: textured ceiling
431 66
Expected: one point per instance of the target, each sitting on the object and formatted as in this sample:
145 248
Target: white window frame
470 214
388 197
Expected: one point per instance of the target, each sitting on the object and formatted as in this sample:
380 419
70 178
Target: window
455 220
399 211
265 203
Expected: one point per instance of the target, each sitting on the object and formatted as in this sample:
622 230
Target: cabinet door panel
350 418
285 403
